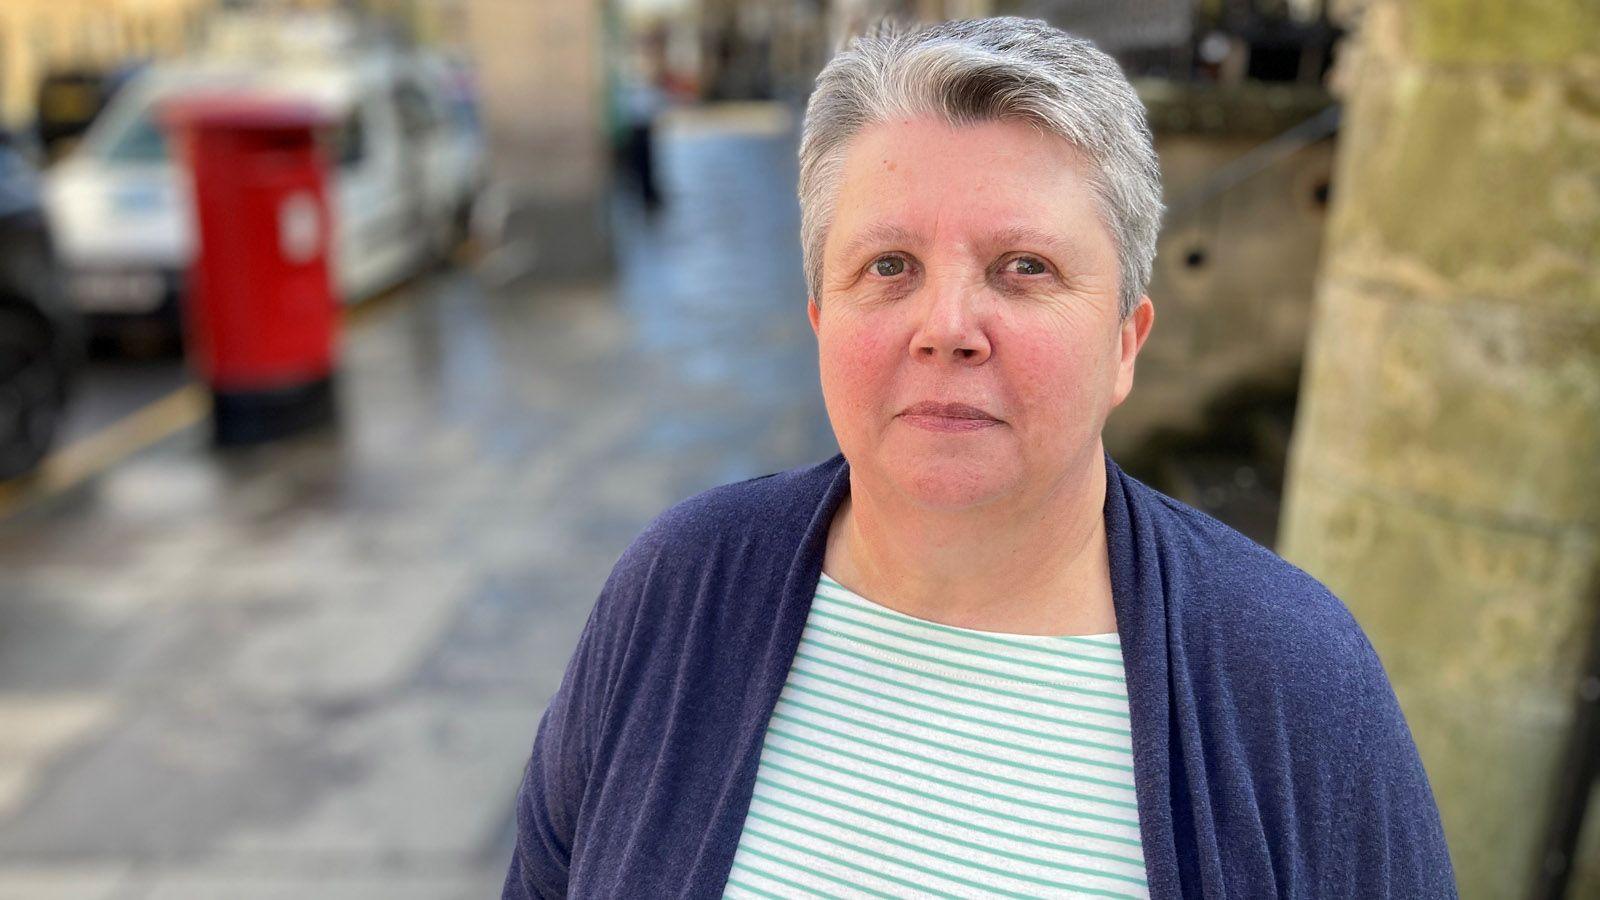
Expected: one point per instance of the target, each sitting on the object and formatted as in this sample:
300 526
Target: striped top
907 758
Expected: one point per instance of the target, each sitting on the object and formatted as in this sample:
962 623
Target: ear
814 313
1135 329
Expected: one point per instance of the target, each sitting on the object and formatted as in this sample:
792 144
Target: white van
408 164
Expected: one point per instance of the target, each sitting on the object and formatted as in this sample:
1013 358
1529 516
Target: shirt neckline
1109 639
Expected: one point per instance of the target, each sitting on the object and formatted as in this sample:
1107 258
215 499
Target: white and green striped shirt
906 758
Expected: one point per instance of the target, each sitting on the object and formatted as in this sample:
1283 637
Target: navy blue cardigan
1270 756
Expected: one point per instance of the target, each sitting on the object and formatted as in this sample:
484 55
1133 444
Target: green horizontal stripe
951 731
988 887
1045 701
951 820
901 701
945 801
972 790
969 863
919 888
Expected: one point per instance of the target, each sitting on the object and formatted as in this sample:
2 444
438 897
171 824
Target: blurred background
305 657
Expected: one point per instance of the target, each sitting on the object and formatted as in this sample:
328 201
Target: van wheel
30 393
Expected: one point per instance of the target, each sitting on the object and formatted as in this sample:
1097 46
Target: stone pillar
541 72
1445 472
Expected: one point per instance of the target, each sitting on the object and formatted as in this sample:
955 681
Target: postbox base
252 417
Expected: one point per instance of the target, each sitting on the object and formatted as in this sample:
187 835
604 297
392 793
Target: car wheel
30 393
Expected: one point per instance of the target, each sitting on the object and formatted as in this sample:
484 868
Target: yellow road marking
76 463
183 408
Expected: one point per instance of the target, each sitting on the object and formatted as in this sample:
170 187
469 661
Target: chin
951 482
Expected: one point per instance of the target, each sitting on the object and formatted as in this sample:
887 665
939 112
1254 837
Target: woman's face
968 333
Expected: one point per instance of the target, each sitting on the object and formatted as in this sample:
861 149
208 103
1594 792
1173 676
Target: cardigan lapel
1141 609
709 875
1152 571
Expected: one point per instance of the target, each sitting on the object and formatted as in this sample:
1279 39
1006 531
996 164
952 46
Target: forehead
916 182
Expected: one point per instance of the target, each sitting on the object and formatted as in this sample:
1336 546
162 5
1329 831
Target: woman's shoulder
737 533
1288 697
1221 573
773 509
1261 622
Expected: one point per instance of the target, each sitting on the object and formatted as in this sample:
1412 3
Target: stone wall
1237 261
1444 476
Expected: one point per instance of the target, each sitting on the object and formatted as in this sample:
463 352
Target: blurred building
59 59
41 37
765 48
542 72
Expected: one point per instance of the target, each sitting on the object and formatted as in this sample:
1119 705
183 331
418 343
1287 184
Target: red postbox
261 316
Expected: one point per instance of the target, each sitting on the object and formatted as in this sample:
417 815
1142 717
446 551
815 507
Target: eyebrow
888 233
880 233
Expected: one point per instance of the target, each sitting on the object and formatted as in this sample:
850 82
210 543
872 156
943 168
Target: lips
948 411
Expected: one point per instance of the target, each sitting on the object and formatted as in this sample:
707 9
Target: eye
1030 266
888 266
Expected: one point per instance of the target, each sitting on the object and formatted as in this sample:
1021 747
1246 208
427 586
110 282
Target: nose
951 328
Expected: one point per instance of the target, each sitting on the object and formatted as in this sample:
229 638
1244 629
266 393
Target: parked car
41 342
401 170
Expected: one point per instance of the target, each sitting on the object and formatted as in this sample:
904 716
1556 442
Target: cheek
1055 381
858 365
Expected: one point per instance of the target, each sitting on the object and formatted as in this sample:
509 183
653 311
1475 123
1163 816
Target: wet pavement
315 669
110 388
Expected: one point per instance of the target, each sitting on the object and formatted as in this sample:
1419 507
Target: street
314 668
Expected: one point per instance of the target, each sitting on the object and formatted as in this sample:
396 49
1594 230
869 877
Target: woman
969 656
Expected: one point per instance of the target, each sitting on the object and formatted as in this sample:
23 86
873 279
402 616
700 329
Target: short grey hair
978 70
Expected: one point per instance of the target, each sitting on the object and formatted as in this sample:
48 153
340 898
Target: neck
1024 567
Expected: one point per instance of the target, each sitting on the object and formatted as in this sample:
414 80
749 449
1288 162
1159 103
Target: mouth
947 417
